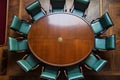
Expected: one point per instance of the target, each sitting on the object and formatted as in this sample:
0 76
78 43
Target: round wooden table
61 39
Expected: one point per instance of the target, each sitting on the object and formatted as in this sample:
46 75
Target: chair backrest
94 63
23 44
106 21
110 42
57 4
15 45
16 23
12 44
81 5
50 73
33 8
99 65
74 73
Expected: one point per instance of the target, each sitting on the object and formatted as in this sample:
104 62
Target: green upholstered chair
20 26
94 62
80 7
57 5
35 10
101 24
50 73
28 62
105 43
74 73
17 44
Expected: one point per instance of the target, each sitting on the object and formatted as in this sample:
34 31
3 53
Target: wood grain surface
61 39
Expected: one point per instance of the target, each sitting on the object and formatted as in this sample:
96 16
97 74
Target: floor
96 8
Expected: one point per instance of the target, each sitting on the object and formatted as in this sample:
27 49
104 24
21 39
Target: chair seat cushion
97 67
25 28
73 70
47 75
78 12
58 10
38 15
100 43
26 67
91 60
97 27
31 60
22 45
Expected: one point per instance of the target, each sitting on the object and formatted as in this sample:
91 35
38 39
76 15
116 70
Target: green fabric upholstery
97 28
28 63
99 65
106 21
100 43
57 5
74 73
102 24
94 63
77 12
24 65
31 60
38 16
16 23
20 26
106 43
80 6
25 27
34 10
17 45
110 42
49 73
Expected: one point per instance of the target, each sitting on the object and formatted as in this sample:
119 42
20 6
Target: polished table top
61 39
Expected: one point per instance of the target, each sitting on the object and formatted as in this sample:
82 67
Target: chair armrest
97 56
30 19
81 69
21 51
71 9
65 73
44 11
93 21
25 56
18 32
43 68
85 13
20 38
27 21
58 73
35 67
87 67
65 8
